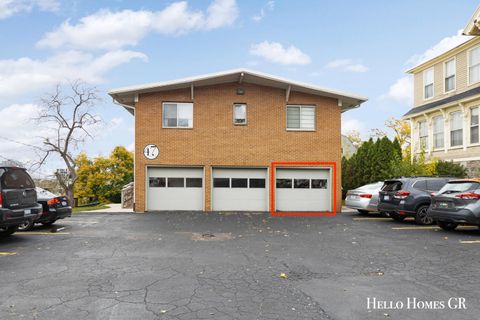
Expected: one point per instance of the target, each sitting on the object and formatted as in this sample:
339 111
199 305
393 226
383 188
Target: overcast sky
362 47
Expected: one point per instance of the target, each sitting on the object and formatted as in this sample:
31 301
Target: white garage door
239 190
175 189
303 190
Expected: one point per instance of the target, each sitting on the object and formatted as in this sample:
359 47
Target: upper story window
449 68
239 114
300 117
428 83
423 134
474 65
177 115
456 129
474 125
438 135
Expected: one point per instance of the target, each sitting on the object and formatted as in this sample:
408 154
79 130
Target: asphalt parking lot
231 266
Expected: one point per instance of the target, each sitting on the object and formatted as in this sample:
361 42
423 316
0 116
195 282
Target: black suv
409 197
18 199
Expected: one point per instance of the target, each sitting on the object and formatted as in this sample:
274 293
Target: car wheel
362 211
396 216
448 226
49 223
26 226
6 231
422 217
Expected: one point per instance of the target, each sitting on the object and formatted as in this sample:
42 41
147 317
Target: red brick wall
215 141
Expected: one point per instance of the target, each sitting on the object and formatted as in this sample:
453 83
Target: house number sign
151 151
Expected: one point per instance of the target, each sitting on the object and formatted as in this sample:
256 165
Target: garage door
303 190
239 190
175 189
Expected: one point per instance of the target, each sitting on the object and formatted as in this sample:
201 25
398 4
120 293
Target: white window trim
450 147
468 66
434 148
470 127
246 114
454 59
433 83
302 105
176 102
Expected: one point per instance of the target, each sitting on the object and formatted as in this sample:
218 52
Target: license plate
64 203
354 197
28 211
386 198
442 204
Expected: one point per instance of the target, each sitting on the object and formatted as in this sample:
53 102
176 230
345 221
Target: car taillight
433 194
366 195
1 200
468 196
401 194
53 201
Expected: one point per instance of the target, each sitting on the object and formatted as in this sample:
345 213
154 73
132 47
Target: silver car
365 198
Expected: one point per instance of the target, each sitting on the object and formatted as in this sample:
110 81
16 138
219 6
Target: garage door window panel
176 182
319 183
194 182
239 183
284 183
257 183
178 115
301 118
156 182
221 183
301 183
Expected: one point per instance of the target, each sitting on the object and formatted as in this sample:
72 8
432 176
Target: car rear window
436 184
457 187
16 179
392 186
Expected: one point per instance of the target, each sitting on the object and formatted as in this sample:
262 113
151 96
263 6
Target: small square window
257 183
194 182
155 182
176 182
221 183
284 183
239 114
239 183
301 184
319 183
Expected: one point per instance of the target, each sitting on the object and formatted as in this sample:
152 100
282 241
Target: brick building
208 142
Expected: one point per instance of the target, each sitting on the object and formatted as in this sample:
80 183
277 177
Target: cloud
9 8
401 91
269 6
349 125
440 47
114 30
276 53
24 75
346 65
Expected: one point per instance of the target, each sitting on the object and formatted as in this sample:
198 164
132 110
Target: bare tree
72 122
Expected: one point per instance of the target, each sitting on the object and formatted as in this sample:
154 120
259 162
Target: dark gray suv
18 199
409 197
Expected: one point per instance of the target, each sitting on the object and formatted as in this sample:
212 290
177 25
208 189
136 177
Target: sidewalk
114 207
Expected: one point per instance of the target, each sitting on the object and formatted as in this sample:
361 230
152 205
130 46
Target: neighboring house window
438 137
301 117
449 75
239 114
456 129
474 65
474 125
177 115
428 83
423 133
